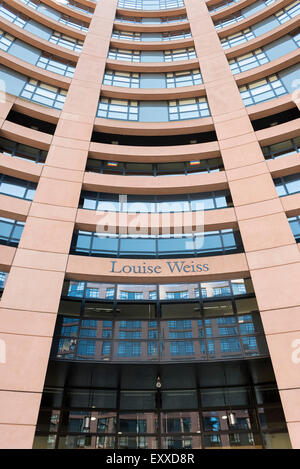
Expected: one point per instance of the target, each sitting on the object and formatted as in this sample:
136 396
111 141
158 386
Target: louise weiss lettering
174 267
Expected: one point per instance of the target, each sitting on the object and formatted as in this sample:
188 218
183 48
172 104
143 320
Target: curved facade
149 202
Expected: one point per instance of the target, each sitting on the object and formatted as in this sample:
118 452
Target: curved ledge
30 137
149 185
291 205
226 11
278 133
154 128
38 42
253 19
154 154
100 269
72 12
213 220
285 166
273 106
31 109
20 168
46 20
155 45
151 13
31 71
11 207
157 27
152 66
149 94
264 39
7 254
269 68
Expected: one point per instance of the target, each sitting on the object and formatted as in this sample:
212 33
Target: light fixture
193 141
231 418
158 382
86 423
193 163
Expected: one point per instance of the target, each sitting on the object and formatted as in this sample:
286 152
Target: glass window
10 231
44 94
278 150
287 184
248 61
179 54
237 38
55 65
17 187
288 12
124 54
262 90
66 41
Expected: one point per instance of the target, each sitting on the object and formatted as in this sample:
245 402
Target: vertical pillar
272 253
31 297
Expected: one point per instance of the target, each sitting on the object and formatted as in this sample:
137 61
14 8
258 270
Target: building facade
150 219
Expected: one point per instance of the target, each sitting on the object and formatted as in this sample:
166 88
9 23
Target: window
120 109
288 12
148 20
159 169
183 78
237 38
180 324
44 94
191 108
278 150
124 54
180 109
3 278
66 41
47 62
295 227
24 152
129 349
182 348
126 35
262 90
126 295
175 35
287 185
6 40
234 18
150 4
110 293
230 345
86 347
124 79
177 295
17 187
13 16
92 292
221 5
10 231
73 22
223 291
163 246
179 54
248 61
